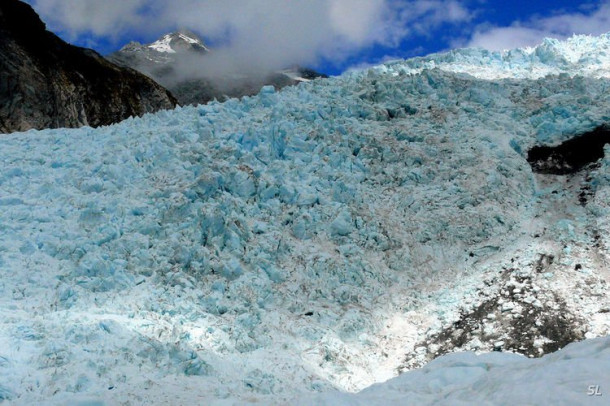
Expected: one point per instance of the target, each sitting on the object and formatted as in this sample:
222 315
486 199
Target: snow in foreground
324 237
577 375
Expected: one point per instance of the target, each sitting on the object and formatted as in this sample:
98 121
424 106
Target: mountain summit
159 59
182 62
180 41
163 50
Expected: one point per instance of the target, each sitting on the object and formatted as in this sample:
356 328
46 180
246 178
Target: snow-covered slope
326 236
576 375
162 54
182 40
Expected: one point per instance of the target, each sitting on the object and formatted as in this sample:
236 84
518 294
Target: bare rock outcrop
47 83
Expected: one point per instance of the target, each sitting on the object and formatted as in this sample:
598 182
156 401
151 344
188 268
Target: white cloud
261 32
100 18
348 17
594 21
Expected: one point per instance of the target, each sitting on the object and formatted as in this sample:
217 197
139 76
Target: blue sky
329 35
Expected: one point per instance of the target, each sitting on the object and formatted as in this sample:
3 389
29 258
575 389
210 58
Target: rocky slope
47 83
170 61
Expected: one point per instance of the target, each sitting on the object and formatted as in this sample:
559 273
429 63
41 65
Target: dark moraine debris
571 156
517 318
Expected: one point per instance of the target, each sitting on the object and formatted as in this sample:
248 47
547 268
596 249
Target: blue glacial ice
261 247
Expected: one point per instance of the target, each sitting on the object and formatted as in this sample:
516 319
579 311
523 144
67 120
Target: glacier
324 237
580 55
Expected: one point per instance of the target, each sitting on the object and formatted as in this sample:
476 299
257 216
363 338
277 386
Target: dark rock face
571 156
170 61
47 83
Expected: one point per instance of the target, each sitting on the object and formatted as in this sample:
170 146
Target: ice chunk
342 225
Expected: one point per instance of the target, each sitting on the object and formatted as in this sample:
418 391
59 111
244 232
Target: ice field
322 238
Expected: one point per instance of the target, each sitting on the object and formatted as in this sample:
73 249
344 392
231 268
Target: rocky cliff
47 83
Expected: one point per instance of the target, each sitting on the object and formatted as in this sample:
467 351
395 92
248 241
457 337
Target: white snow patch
163 45
577 375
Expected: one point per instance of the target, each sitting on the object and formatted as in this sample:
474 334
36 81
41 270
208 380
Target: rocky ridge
47 83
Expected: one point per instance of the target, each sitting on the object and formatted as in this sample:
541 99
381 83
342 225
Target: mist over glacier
323 237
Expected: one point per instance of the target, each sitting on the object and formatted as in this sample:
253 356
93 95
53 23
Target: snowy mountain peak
182 40
163 61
